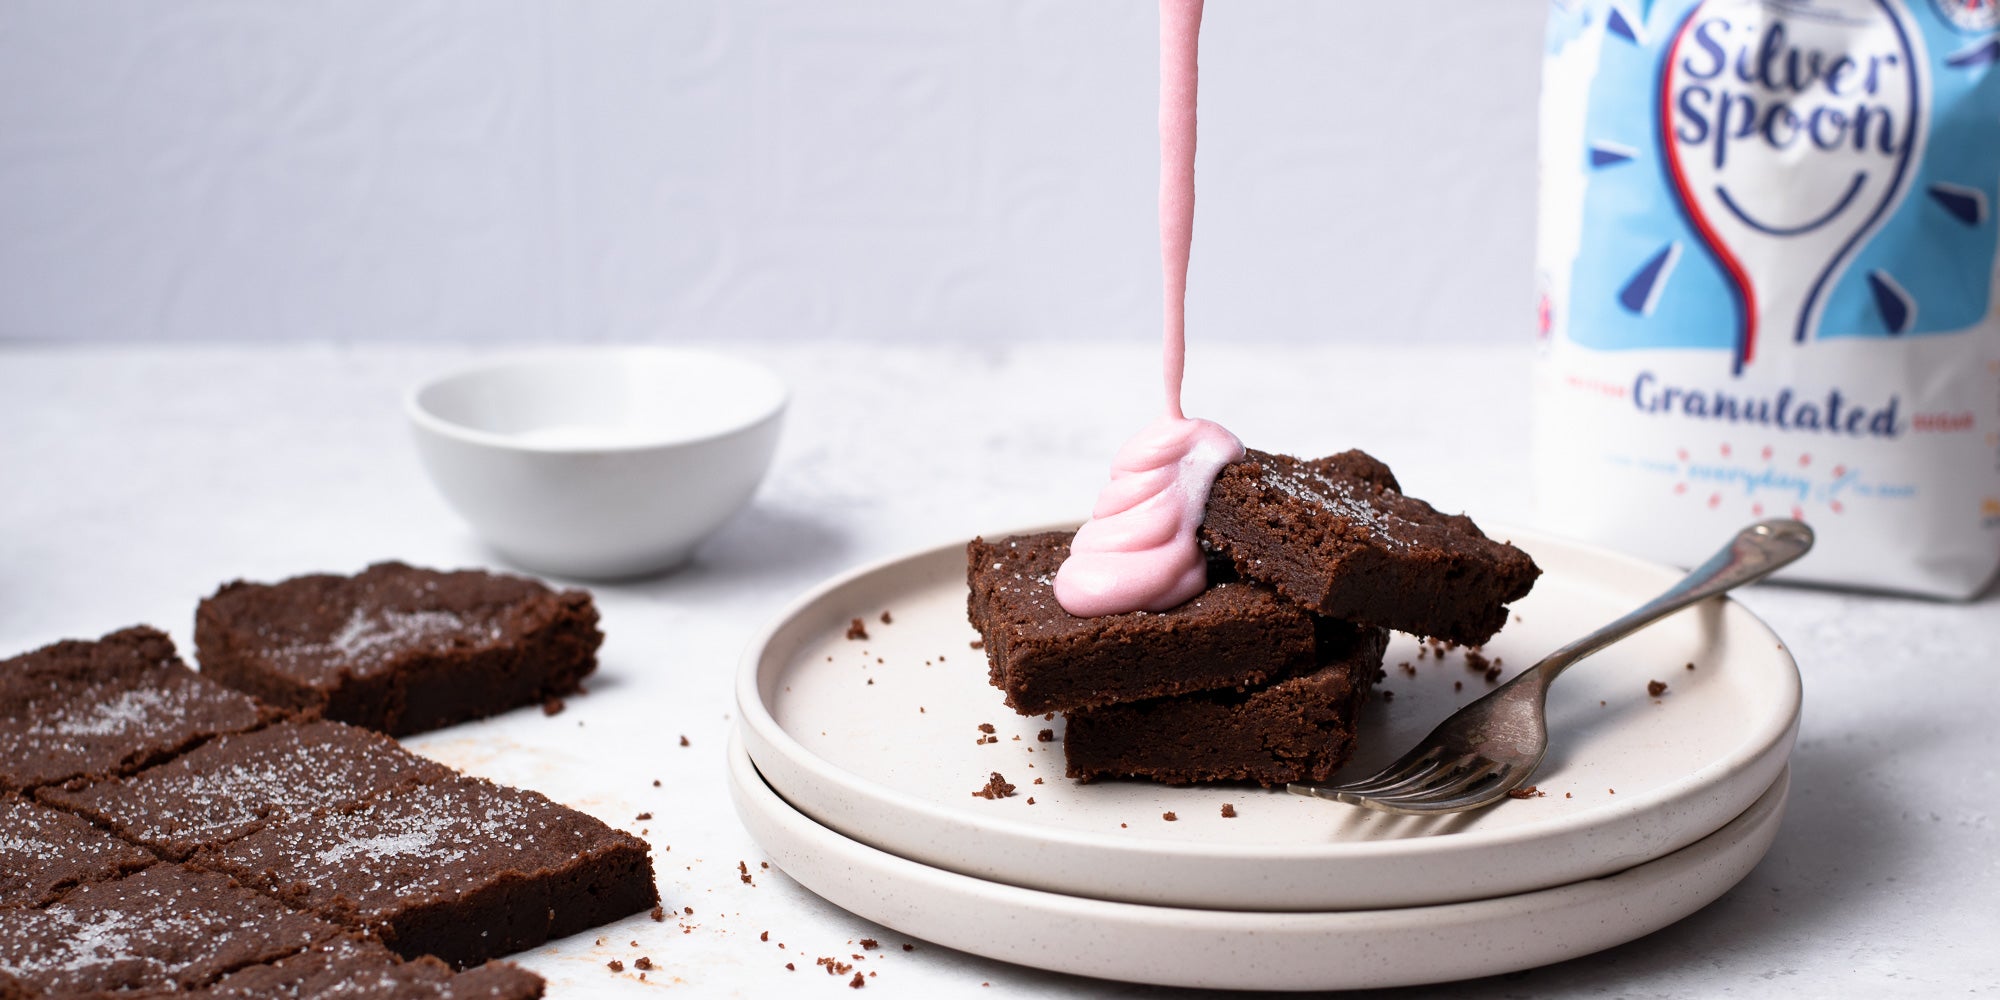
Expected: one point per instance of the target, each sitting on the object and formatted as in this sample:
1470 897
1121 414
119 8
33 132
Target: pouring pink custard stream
1138 551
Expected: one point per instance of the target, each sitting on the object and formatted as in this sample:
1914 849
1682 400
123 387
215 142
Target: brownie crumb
743 872
659 914
766 936
1037 780
689 910
1169 816
1458 685
1656 688
553 706
1477 662
1690 666
1492 674
642 816
870 944
789 967
856 629
642 962
1031 800
909 947
996 788
656 781
858 981
886 619
977 644
1228 810
684 742
1045 736
1527 792
615 965
986 727
1388 695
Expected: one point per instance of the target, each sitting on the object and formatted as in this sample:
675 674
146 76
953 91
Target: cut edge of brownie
1044 659
1299 728
512 905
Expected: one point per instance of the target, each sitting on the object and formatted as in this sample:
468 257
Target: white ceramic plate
1275 951
878 739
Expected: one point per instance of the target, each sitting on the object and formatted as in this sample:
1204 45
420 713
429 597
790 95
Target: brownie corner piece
460 868
1045 659
397 648
1299 728
164 927
90 709
1337 535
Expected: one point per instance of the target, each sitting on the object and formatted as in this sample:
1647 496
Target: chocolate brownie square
165 927
460 868
1046 659
82 709
1338 536
218 792
347 966
44 852
396 648
1298 728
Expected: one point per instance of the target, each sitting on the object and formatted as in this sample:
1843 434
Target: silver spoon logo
1790 128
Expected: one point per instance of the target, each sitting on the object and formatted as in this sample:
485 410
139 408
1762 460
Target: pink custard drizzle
1138 552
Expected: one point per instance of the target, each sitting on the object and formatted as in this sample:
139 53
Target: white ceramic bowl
601 463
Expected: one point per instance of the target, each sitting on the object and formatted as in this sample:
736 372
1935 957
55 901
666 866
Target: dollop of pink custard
1139 552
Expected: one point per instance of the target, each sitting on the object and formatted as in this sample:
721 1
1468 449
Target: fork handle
1755 552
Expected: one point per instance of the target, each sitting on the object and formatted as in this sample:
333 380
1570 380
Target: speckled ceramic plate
1168 946
879 739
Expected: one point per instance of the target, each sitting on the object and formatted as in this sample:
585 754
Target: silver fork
1492 746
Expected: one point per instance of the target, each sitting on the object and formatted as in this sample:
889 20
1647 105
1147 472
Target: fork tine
1487 780
1474 772
1397 774
1483 796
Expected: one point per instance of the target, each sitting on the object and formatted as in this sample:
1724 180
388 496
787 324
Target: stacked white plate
856 763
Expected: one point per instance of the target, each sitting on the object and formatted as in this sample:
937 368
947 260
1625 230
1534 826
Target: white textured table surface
134 481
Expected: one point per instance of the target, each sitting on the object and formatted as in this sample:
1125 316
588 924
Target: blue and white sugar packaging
1766 278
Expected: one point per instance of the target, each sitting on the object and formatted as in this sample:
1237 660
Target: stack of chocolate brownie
1259 677
162 831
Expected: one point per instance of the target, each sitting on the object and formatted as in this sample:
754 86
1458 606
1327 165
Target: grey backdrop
220 169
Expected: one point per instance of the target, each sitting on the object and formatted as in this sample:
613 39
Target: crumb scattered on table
1169 816
1228 810
857 629
1656 688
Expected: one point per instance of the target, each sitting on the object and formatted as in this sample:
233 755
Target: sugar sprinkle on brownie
233 783
460 868
44 852
96 709
1338 536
